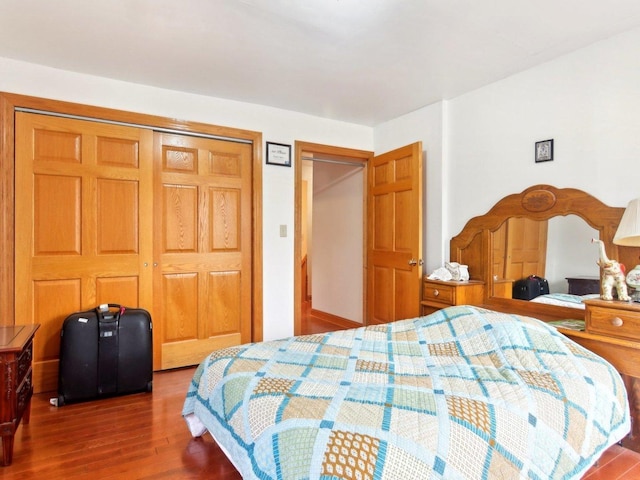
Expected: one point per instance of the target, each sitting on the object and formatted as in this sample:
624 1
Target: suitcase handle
105 308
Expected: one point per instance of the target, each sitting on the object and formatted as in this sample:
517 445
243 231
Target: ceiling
359 61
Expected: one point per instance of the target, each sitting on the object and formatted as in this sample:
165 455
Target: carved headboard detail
473 245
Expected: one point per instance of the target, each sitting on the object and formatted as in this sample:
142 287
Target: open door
394 239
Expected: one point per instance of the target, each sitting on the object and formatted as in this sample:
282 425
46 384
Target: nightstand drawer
437 292
614 322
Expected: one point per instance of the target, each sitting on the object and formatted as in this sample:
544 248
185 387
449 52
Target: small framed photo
278 154
544 151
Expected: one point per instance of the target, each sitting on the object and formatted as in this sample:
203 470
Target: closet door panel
203 247
117 216
225 233
121 152
57 226
181 305
53 299
223 303
180 218
122 287
83 224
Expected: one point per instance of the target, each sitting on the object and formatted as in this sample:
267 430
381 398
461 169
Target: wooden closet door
83 224
202 235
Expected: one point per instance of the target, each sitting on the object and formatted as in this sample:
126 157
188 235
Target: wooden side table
16 355
437 294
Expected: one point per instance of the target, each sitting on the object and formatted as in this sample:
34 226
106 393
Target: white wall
480 146
338 248
587 101
276 125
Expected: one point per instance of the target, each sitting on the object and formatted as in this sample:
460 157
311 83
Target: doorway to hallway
330 229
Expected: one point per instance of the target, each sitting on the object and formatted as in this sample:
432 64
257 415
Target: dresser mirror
559 211
556 249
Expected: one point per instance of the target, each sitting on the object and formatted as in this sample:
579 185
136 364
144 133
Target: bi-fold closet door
110 213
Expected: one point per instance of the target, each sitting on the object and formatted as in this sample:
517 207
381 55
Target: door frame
10 102
325 151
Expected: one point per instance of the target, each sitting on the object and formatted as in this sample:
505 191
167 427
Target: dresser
612 330
437 294
16 379
583 285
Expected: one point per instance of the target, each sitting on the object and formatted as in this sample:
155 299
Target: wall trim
335 319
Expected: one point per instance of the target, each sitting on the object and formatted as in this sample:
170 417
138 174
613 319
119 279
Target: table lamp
628 235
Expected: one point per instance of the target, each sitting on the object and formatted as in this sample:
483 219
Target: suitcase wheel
60 402
149 386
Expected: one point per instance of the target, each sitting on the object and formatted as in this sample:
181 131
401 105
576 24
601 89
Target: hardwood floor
616 463
143 436
134 436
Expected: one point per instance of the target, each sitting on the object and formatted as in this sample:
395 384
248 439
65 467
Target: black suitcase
104 352
530 287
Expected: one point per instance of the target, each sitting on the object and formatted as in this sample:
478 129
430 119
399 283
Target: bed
565 299
463 393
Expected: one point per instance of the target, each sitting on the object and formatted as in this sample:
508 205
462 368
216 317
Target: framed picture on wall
278 154
544 151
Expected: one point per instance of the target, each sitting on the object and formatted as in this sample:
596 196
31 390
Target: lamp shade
628 234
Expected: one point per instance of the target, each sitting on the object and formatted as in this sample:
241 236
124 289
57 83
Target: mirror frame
473 245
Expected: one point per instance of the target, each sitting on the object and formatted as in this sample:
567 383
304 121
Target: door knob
413 262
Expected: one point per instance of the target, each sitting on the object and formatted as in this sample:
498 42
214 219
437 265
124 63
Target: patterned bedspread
463 393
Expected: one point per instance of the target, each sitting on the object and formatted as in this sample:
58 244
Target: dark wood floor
143 436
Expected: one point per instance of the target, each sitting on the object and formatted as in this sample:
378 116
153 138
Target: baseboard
335 319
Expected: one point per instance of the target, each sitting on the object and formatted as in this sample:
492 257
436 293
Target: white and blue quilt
464 393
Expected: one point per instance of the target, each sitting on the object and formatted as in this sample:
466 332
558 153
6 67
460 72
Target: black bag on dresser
104 352
530 287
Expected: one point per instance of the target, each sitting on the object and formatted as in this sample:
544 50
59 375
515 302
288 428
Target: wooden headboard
473 245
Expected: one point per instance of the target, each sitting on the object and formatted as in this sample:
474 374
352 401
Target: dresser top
15 337
596 302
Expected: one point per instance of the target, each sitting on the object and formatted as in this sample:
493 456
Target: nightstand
612 331
437 294
583 285
16 380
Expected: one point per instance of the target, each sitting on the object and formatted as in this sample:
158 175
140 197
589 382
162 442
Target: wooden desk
16 354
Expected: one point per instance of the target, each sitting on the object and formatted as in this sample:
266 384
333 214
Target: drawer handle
617 322
436 292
